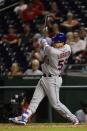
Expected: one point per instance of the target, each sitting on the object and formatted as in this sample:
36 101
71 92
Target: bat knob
46 28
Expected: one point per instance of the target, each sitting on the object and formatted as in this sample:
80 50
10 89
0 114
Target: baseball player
51 81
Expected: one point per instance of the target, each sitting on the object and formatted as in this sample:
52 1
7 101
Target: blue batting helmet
60 37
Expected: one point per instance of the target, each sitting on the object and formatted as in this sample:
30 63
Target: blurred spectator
15 70
38 51
70 38
35 40
34 68
54 14
25 11
55 30
70 41
26 37
37 36
38 7
83 58
11 37
31 11
70 23
82 113
37 55
21 7
26 34
83 34
78 47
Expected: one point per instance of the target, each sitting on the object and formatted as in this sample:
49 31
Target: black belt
49 75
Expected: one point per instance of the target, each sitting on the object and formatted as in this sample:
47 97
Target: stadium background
17 89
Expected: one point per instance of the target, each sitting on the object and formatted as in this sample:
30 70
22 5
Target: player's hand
42 41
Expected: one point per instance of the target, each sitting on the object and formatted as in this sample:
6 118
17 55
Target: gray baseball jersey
55 59
50 85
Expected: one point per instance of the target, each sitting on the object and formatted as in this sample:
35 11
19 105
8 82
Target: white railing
31 87
71 67
8 7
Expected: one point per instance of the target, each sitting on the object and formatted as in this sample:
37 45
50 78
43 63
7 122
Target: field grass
43 127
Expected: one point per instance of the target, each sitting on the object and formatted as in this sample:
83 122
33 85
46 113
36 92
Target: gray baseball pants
50 86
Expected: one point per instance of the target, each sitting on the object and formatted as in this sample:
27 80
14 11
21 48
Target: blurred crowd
23 25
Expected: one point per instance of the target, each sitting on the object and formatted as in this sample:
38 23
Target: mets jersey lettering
57 58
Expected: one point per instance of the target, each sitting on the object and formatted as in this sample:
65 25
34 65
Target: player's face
58 45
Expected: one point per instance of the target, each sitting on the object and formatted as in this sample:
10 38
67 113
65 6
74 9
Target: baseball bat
45 23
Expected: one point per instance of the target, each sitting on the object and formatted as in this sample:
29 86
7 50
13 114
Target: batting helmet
59 38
